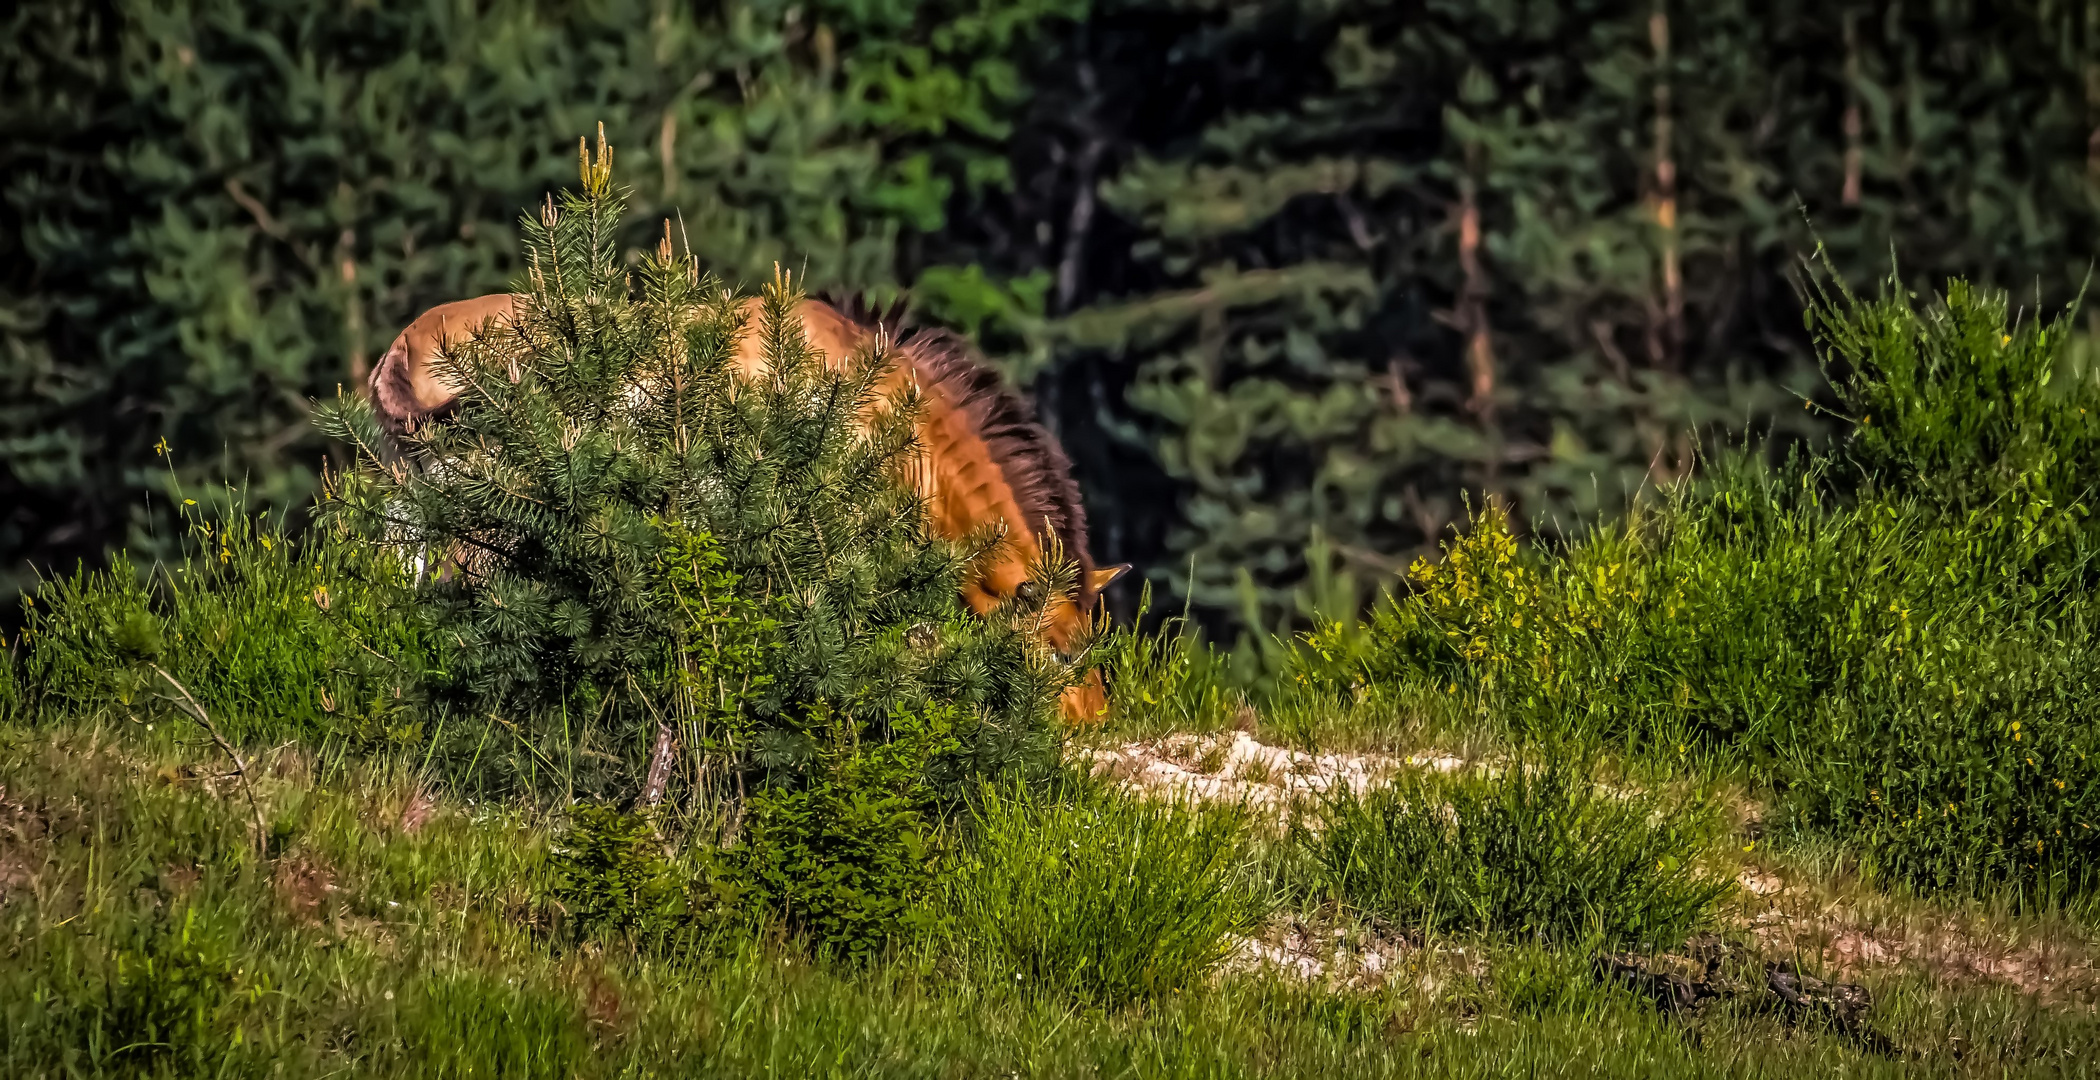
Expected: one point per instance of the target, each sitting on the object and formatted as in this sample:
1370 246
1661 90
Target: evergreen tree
1319 270
214 211
640 545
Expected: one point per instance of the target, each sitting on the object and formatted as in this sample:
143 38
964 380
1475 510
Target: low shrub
1964 401
611 876
276 636
1863 632
1100 897
844 853
1537 853
1969 760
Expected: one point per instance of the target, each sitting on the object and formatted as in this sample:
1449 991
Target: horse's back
406 385
827 330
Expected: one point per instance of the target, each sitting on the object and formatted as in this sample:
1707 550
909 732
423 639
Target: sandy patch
1788 920
1235 767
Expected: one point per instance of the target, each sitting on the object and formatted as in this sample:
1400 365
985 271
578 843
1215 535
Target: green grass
433 954
1166 679
471 1024
1535 853
1101 897
278 637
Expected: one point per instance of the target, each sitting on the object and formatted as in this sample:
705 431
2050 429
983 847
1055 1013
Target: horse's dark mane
1035 467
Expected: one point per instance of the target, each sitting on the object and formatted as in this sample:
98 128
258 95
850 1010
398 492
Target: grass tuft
1166 680
467 1025
1105 898
1536 853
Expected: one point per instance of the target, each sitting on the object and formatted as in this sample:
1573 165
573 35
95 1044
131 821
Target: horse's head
989 463
1070 620
408 385
1015 576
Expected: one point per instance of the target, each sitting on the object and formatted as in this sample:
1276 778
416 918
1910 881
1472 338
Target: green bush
1099 896
1967 761
1962 402
847 858
1864 662
1537 853
1862 644
611 875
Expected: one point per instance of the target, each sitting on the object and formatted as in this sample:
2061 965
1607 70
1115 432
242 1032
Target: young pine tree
642 549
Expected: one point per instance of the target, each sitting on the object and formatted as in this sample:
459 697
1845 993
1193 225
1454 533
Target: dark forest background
1293 281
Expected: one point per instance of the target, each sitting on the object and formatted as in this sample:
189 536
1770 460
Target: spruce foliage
634 536
611 876
1333 266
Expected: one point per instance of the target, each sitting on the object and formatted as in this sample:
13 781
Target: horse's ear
1101 579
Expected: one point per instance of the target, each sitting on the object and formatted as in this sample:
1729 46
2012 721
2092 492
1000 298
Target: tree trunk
1666 339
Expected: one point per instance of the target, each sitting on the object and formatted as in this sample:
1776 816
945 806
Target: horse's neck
832 334
965 491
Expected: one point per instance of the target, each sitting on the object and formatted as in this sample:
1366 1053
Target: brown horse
986 460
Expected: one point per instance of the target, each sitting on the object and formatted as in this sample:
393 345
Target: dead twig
660 760
240 768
